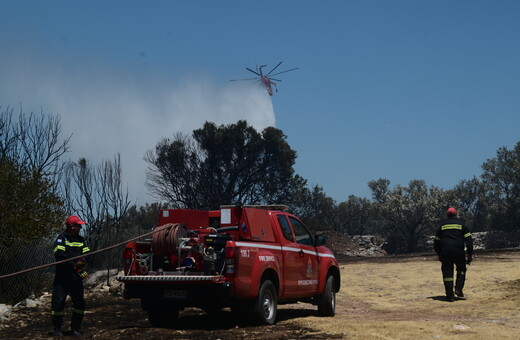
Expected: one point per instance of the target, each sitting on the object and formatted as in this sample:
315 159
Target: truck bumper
182 294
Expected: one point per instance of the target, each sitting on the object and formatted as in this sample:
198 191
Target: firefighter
449 245
69 276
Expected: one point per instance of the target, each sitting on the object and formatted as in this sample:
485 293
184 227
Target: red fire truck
248 258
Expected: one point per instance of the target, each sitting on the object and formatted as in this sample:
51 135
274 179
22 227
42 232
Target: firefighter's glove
83 274
468 261
80 264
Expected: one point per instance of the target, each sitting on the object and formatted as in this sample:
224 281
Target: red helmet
73 219
451 212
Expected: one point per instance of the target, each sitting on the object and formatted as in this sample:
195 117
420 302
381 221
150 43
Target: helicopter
266 79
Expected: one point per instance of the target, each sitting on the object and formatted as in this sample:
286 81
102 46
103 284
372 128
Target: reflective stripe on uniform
59 248
467 235
447 279
437 238
78 311
74 244
53 312
451 226
85 249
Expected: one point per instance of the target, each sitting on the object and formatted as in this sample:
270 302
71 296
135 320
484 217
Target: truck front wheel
327 300
266 303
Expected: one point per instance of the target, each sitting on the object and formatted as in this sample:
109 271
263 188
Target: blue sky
396 89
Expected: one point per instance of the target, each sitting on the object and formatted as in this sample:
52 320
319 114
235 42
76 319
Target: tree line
235 163
224 164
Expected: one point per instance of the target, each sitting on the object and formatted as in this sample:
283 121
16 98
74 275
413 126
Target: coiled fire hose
164 243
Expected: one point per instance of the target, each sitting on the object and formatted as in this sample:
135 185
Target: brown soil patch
381 298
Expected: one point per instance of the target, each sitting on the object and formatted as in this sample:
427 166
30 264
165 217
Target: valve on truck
143 263
209 260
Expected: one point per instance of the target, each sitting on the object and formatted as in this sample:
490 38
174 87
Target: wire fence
21 255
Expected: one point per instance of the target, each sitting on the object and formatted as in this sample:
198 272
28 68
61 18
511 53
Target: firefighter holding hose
69 276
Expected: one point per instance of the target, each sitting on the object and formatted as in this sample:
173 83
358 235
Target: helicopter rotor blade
274 68
275 79
286 71
243 79
250 70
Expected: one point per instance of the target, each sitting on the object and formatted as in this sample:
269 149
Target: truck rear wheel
162 316
266 303
327 300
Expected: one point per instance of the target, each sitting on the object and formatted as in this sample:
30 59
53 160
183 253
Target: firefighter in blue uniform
449 245
69 276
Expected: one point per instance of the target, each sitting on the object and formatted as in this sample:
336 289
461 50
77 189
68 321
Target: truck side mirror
319 240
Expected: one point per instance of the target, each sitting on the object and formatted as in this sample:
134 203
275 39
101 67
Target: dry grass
404 299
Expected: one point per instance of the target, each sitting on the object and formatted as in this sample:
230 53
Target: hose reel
165 240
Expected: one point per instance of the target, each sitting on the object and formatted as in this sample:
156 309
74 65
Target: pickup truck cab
248 258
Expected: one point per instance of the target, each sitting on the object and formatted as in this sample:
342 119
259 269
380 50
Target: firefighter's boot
57 322
77 318
448 286
76 333
459 284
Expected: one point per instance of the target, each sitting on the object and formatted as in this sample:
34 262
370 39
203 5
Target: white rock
460 327
30 303
20 304
116 289
100 277
5 312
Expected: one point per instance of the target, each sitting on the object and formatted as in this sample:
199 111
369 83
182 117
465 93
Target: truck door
291 259
308 274
300 261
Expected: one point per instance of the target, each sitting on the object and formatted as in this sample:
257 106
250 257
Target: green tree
316 209
469 197
354 216
30 205
501 175
30 152
409 212
139 220
29 209
222 165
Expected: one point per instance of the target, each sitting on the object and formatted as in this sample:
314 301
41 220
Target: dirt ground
381 298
